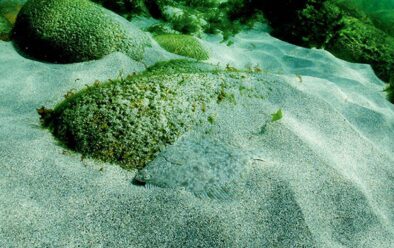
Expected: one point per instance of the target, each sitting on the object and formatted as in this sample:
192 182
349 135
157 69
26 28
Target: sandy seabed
322 176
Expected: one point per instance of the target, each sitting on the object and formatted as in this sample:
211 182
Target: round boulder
66 31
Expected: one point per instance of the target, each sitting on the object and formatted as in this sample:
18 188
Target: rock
339 27
128 121
73 31
184 45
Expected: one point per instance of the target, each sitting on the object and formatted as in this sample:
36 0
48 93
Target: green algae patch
184 45
277 115
182 66
67 31
128 121
390 92
5 29
9 9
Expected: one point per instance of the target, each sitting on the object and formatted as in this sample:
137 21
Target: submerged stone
184 45
74 30
128 121
339 27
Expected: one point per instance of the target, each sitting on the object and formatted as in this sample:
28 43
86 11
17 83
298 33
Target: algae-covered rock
358 42
5 28
128 121
73 31
338 26
184 45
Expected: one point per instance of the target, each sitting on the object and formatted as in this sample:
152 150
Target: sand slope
322 176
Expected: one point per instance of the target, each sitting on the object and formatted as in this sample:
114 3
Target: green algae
184 45
277 115
362 43
72 31
10 9
191 17
129 120
5 29
390 91
182 66
337 26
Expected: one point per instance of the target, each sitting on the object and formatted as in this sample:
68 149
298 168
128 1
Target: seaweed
277 115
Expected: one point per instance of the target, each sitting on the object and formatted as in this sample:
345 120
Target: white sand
322 176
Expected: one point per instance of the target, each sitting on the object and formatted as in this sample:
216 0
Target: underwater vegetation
129 120
5 28
72 31
337 26
191 17
184 45
182 66
9 9
390 91
126 8
277 115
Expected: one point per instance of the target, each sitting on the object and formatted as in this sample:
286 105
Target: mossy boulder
128 121
184 45
74 30
339 27
5 29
